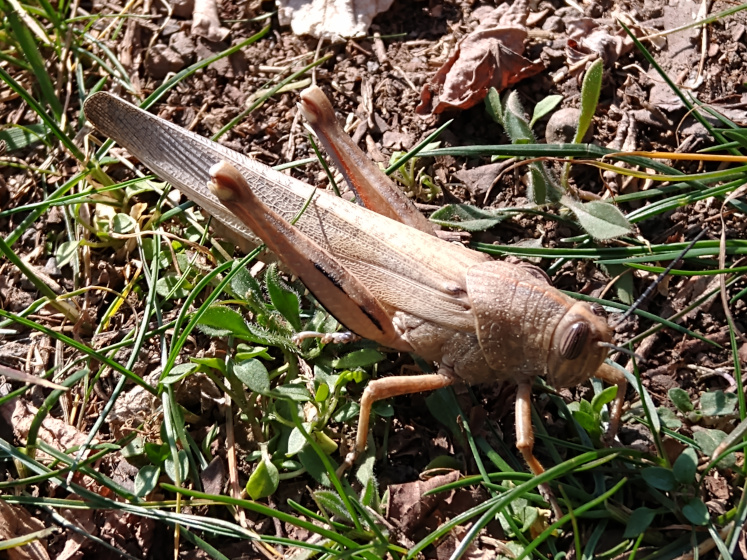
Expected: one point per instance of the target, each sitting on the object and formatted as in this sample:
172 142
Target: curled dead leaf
490 56
409 505
16 521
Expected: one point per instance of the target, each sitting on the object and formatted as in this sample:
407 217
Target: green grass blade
69 311
677 91
50 122
71 342
272 91
417 149
31 53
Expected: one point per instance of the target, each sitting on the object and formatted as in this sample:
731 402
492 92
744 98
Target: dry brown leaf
15 521
490 56
478 180
53 431
409 507
76 542
133 534
213 477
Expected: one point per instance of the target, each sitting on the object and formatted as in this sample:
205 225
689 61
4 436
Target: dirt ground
376 85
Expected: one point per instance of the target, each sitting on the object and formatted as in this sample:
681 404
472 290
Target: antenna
659 278
622 350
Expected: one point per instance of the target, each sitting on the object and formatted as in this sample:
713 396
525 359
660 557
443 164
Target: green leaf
365 472
515 122
157 453
283 298
323 376
624 285
263 481
254 375
708 440
604 397
322 392
680 399
585 407
599 219
327 444
314 466
588 422
346 412
696 512
493 105
146 480
211 362
261 335
350 375
527 516
383 409
466 217
66 252
514 549
290 465
245 352
443 406
370 494
590 89
686 466
173 285
122 223
244 285
296 440
538 185
134 450
541 188
717 403
149 251
220 320
544 107
333 504
638 522
444 462
179 372
168 466
293 391
669 418
358 358
659 478
19 137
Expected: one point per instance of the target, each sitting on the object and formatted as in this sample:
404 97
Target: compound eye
574 340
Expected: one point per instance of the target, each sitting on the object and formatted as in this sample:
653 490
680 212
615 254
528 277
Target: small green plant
601 220
283 393
714 408
509 113
680 483
591 415
413 177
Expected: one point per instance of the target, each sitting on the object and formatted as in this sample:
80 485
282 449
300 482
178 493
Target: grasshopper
384 274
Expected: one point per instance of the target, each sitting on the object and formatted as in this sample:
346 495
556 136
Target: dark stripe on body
339 286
